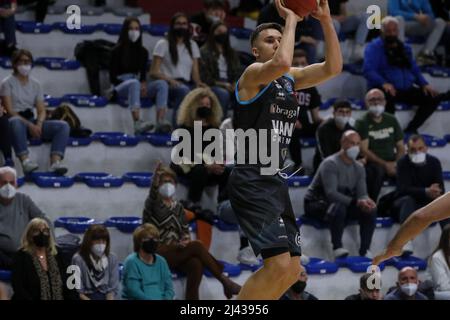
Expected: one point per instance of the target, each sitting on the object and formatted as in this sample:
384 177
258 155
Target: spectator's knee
15 122
161 85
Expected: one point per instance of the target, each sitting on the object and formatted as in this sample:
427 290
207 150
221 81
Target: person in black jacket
36 273
128 74
369 288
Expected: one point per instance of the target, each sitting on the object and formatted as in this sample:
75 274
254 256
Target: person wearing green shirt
382 142
146 275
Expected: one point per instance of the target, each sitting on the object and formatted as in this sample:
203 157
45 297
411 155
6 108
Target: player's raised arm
332 66
273 51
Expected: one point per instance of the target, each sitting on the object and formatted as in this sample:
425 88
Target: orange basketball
301 7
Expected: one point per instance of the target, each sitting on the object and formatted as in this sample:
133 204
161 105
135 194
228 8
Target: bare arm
400 146
155 69
332 66
41 112
196 74
437 210
316 115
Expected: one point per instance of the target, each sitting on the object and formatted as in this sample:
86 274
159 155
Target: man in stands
369 288
407 286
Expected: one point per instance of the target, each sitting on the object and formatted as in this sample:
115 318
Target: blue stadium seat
298 221
402 107
230 270
159 140
99 180
57 63
384 222
193 226
20 182
444 106
78 142
354 68
84 29
356 104
447 137
241 33
124 224
85 100
357 264
110 28
34 27
76 225
51 180
225 226
52 101
430 141
446 175
5 275
408 261
140 179
117 139
157 30
299 181
436 71
5 63
308 142
320 266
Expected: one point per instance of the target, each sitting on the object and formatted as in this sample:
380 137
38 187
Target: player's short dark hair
262 27
213 4
341 104
415 138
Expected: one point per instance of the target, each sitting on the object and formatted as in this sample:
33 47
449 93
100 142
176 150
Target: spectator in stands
20 94
40 8
297 290
338 194
220 67
365 293
416 18
176 246
308 119
382 142
214 11
390 66
98 266
36 273
5 138
345 23
200 107
329 132
248 8
16 211
407 286
419 181
146 275
128 73
441 9
8 25
439 266
175 60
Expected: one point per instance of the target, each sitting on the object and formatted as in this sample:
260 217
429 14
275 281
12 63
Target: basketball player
435 211
266 100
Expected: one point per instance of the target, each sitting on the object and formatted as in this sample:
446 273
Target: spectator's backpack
65 113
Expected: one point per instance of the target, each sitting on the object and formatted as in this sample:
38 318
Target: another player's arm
319 72
260 74
437 210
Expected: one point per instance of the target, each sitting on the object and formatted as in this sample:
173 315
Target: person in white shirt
439 266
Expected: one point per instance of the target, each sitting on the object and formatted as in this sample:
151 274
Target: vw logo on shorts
297 239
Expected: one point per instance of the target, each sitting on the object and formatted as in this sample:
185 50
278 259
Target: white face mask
133 35
214 18
409 289
417 158
377 110
24 69
352 152
167 189
8 191
341 121
98 249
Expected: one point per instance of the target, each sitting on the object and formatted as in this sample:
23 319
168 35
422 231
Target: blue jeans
158 90
56 131
176 96
8 27
224 98
131 88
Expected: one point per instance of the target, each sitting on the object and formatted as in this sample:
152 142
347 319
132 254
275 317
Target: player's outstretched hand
285 12
323 11
388 253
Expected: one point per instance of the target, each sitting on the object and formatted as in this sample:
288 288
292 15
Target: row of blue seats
432 70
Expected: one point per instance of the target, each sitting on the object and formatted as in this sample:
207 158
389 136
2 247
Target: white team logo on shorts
297 239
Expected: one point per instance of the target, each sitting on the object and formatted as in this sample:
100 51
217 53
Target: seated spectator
16 211
338 193
175 60
439 266
213 11
36 270
20 94
441 9
390 66
419 181
308 119
98 266
8 26
40 8
329 132
176 246
368 289
128 73
5 138
248 8
382 142
407 286
202 107
345 23
220 67
416 18
146 275
297 290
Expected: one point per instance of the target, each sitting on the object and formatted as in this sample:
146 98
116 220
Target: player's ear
255 52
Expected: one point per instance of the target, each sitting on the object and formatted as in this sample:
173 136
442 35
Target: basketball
301 7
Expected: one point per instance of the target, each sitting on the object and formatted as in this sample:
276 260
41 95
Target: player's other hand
322 12
388 253
285 12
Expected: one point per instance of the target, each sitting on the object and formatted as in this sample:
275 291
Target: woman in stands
128 74
439 266
220 67
36 271
20 94
5 138
175 60
176 246
99 267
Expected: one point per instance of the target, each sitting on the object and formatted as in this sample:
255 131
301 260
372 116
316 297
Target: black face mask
203 112
396 53
221 38
299 287
391 40
41 240
149 246
181 32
